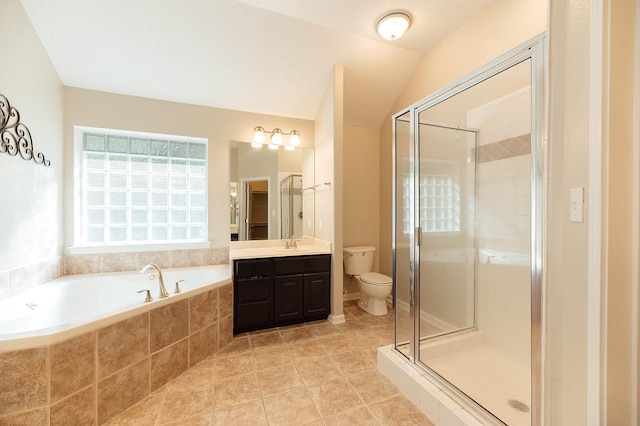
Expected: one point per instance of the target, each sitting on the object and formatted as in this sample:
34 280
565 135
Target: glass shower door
446 215
404 235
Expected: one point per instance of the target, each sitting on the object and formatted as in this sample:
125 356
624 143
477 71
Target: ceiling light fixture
276 139
393 25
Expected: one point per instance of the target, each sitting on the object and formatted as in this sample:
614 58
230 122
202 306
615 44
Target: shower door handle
419 236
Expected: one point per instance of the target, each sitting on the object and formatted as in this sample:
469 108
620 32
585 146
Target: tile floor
310 374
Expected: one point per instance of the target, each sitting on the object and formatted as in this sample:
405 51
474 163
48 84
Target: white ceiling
265 56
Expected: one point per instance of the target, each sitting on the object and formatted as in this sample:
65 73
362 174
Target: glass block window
136 189
439 203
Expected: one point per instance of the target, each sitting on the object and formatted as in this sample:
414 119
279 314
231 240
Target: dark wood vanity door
288 297
317 295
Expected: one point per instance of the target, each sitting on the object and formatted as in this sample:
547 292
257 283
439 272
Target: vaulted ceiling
265 56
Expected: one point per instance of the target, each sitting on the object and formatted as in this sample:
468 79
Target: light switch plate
576 205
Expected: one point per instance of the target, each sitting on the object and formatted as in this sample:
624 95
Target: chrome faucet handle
286 244
148 298
177 289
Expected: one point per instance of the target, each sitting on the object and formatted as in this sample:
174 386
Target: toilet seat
374 278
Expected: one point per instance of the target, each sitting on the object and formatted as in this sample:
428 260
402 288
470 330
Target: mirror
281 206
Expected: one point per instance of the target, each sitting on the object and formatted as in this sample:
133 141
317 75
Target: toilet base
372 305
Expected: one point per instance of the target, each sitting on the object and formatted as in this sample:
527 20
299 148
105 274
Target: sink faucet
163 290
291 244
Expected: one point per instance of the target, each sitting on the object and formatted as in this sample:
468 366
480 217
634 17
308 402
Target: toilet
374 287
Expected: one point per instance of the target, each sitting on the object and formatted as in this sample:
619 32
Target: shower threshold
494 380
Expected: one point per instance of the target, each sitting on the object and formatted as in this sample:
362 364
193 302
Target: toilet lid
375 278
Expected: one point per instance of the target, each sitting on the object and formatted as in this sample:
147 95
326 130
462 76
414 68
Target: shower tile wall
18 280
503 177
503 172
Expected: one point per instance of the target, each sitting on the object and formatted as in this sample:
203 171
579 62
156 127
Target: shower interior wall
503 218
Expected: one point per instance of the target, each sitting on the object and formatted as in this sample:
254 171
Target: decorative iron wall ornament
15 137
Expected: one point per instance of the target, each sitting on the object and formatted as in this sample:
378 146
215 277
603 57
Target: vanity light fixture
276 139
393 25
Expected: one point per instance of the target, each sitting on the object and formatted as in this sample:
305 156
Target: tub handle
148 298
177 289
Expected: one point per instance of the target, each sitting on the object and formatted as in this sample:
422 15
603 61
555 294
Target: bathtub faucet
163 290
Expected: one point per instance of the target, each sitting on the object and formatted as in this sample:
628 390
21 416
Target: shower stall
468 216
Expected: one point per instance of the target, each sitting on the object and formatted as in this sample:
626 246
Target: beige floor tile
272 357
236 390
198 376
360 416
305 350
306 374
399 411
233 365
317 370
294 335
265 339
290 408
279 379
239 344
144 413
186 404
335 396
249 413
323 329
336 343
352 325
353 361
372 386
203 419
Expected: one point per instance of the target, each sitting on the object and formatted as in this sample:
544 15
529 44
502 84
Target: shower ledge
438 407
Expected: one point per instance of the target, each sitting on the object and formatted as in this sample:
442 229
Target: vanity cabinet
253 294
278 291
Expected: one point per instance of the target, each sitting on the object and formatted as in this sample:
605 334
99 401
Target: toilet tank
358 260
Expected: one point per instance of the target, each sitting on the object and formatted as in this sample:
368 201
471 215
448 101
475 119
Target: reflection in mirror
249 164
291 206
233 210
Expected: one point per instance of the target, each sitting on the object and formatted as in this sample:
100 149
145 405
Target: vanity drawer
292 265
252 268
253 289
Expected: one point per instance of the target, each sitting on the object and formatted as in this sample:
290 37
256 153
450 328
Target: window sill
132 248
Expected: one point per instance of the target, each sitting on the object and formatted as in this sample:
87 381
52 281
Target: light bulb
273 146
258 135
289 148
294 140
276 137
256 144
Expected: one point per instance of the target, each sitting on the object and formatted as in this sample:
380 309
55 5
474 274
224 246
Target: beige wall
620 189
219 126
328 201
31 196
361 197
503 26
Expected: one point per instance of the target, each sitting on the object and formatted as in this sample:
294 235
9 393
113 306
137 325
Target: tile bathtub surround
119 262
90 378
18 280
269 378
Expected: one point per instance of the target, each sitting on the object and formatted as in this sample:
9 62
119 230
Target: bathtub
74 304
497 257
92 341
